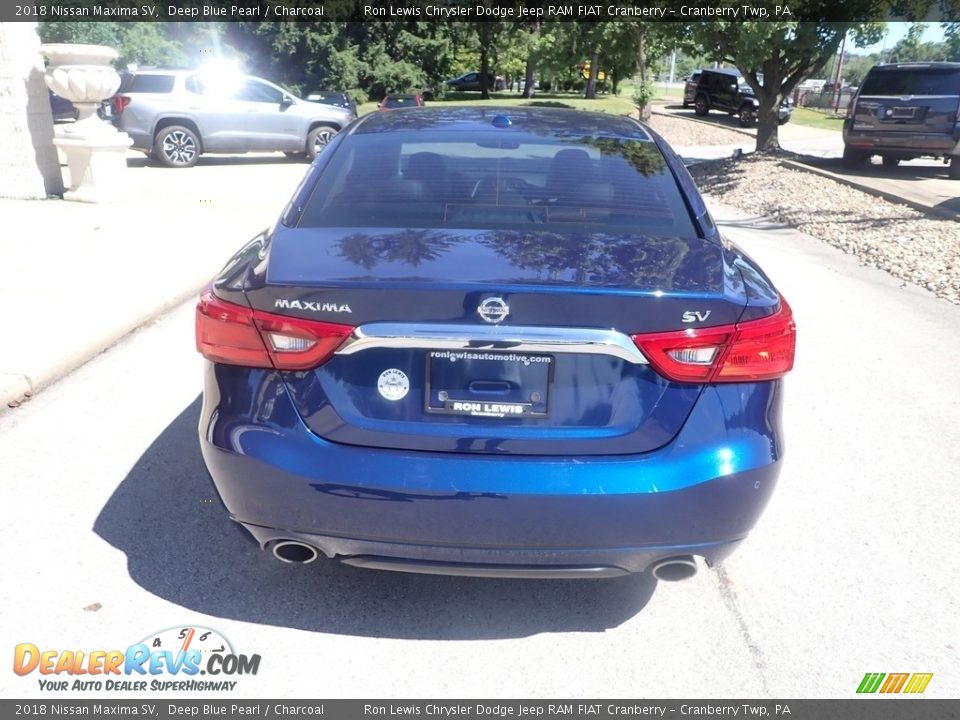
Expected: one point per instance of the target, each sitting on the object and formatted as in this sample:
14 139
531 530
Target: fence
824 99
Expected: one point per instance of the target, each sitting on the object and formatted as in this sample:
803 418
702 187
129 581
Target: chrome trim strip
586 341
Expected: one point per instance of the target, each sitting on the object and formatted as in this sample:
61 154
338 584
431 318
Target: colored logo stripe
894 682
918 683
870 682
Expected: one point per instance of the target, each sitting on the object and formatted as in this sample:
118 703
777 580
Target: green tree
952 36
143 43
909 46
784 53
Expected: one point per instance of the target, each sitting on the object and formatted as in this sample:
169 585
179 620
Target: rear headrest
425 166
569 169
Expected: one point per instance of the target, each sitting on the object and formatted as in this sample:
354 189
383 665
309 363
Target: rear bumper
493 515
915 144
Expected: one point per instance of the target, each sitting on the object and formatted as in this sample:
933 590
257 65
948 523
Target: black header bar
683 11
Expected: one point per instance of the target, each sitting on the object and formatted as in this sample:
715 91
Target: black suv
904 111
726 89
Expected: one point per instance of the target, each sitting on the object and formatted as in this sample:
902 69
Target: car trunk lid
494 341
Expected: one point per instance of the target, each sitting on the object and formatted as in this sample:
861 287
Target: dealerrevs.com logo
170 660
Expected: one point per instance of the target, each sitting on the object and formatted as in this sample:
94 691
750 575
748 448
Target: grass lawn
616 104
817 119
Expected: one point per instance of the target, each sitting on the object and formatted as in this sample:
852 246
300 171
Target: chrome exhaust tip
294 552
675 568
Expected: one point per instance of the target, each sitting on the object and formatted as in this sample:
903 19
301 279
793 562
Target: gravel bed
906 243
682 132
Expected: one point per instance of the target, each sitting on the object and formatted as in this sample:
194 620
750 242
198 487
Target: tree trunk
29 168
768 126
484 71
591 92
640 31
530 77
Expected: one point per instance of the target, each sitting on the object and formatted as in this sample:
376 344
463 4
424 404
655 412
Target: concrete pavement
78 277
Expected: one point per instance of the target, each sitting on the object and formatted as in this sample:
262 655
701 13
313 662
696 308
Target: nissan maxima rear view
504 342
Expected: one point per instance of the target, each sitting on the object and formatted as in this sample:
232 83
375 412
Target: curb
16 389
705 122
889 196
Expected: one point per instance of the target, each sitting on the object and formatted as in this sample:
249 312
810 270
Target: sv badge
695 316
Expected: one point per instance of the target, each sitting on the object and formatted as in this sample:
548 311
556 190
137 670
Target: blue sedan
495 342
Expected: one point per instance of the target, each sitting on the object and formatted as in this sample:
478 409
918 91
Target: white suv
176 115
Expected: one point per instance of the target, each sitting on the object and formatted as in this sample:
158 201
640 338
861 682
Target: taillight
119 103
852 107
745 352
236 335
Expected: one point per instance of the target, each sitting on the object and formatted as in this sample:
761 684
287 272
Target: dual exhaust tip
294 552
673 569
670 569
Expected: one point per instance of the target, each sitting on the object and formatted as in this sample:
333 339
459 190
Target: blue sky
896 31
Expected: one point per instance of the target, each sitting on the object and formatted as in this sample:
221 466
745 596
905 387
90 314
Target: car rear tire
317 140
854 159
747 116
176 146
783 121
954 170
700 106
890 162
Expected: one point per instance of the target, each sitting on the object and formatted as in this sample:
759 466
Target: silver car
176 115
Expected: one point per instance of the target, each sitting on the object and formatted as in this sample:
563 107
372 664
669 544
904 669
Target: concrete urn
95 150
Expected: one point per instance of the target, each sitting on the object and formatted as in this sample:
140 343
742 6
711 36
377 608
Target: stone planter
95 150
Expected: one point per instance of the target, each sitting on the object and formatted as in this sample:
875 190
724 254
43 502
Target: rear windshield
492 181
147 84
912 81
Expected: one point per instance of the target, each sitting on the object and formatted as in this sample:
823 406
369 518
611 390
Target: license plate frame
528 373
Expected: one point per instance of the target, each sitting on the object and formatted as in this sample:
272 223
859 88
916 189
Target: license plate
488 383
903 113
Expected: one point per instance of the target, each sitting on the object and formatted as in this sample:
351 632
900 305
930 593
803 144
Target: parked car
690 88
725 89
335 98
471 81
904 111
495 342
398 102
176 115
62 109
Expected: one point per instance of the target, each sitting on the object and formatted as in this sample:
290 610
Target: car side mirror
286 101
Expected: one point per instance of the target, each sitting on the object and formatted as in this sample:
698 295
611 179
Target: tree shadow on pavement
168 520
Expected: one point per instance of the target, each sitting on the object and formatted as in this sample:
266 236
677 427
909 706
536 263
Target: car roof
886 67
550 121
724 71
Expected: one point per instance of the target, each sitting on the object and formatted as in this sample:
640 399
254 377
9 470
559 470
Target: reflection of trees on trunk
411 247
648 263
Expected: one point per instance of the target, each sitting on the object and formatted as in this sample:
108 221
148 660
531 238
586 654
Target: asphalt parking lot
114 532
